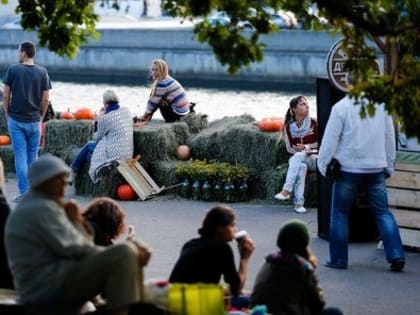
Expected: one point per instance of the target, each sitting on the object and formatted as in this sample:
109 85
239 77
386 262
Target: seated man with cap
54 265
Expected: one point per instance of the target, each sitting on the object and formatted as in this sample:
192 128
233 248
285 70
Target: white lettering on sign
337 72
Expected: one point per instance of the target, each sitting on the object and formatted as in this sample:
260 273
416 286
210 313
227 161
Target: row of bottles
226 192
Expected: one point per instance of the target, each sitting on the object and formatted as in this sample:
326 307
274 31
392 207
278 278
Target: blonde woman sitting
167 94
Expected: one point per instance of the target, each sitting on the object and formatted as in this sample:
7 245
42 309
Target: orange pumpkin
84 113
277 123
271 124
67 115
4 140
183 152
125 192
265 124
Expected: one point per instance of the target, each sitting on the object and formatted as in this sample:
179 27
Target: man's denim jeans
25 141
344 192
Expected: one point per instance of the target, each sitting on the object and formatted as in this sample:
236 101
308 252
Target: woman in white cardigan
112 141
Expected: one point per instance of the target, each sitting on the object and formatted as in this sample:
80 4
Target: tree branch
348 10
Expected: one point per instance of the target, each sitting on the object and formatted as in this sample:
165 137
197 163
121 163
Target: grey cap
45 168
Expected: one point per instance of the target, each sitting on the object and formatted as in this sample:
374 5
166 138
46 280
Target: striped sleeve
171 91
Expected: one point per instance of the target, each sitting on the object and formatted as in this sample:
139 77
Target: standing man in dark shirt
25 102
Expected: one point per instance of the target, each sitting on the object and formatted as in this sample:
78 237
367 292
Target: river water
216 103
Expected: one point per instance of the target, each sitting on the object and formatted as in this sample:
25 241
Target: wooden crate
138 178
404 201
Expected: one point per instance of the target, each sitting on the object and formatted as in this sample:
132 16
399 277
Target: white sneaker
280 196
300 209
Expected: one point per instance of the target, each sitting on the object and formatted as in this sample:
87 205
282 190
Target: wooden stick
134 161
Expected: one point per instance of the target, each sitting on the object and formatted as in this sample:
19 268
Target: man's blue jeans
344 191
84 156
25 142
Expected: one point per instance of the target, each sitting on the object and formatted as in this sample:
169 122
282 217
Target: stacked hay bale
6 151
106 187
239 140
3 122
157 143
65 137
275 178
230 139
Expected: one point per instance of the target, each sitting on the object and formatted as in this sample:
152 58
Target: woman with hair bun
206 258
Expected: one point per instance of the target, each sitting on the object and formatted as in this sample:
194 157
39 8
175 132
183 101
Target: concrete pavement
367 287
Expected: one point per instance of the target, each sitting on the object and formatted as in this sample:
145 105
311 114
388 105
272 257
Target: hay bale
8 158
236 120
60 134
196 122
158 142
163 173
68 154
3 122
271 182
233 141
106 187
206 144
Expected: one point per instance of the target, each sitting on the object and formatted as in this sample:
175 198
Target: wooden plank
410 237
149 179
403 198
407 167
138 178
406 218
140 186
404 180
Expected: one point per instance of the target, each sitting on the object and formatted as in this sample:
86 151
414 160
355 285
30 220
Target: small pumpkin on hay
67 115
271 124
4 140
84 113
183 152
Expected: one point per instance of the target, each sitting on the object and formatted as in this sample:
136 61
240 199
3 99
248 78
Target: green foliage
232 45
62 25
393 25
213 172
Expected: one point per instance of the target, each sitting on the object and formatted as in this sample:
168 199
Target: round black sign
337 73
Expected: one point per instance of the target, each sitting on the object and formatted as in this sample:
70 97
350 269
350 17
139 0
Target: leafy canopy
62 25
389 28
392 25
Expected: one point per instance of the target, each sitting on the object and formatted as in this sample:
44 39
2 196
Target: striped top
171 91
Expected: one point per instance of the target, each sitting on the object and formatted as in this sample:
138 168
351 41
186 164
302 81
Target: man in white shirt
365 148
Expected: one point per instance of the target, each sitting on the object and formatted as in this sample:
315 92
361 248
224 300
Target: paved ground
367 287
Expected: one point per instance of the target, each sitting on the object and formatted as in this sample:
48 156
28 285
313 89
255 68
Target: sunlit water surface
213 102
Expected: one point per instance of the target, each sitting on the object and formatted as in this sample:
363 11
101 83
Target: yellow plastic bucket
196 299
